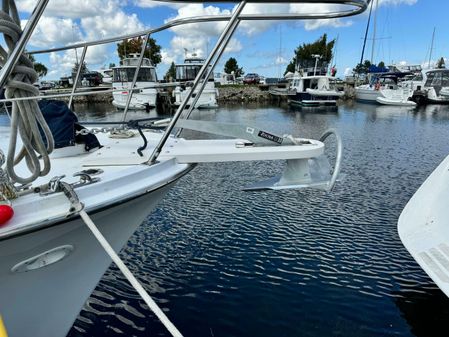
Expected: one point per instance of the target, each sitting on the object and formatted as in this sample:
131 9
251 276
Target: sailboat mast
366 32
431 46
374 31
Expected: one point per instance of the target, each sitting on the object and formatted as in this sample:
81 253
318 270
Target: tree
40 68
381 64
362 68
231 65
75 69
171 72
305 55
83 68
440 64
111 65
152 50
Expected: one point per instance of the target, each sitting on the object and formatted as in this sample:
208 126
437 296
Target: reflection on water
222 262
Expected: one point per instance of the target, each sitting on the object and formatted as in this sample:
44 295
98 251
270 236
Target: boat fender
6 213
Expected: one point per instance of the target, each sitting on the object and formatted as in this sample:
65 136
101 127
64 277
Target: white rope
129 276
27 120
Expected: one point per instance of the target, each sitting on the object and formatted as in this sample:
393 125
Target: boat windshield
127 75
188 72
437 79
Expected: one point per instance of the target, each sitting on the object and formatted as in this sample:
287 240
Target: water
222 262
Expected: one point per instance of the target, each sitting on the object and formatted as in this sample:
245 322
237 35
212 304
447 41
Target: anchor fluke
313 172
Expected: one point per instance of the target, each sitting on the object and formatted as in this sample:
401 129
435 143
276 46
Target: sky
404 33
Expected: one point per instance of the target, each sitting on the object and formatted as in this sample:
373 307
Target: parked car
251 78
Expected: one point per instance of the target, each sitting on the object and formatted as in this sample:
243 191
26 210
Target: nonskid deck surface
118 181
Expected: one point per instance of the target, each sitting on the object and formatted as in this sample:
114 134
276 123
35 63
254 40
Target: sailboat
72 195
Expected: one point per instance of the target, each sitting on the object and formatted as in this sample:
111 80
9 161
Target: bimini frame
343 8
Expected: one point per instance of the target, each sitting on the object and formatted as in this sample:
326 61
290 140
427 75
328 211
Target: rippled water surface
222 262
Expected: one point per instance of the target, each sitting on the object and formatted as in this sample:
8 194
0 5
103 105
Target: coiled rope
27 120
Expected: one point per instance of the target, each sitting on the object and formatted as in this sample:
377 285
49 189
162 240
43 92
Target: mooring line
78 208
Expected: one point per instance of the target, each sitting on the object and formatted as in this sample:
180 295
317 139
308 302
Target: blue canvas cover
61 121
63 124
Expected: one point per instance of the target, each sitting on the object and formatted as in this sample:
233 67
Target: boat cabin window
188 72
311 84
134 62
127 75
437 79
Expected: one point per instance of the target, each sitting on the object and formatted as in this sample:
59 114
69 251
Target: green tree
305 54
381 64
362 68
440 64
152 50
83 68
111 65
171 72
40 68
83 71
231 65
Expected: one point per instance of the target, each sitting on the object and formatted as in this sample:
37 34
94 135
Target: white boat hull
207 100
395 102
47 300
423 226
139 100
367 95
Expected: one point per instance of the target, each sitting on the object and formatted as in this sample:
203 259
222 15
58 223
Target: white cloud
280 61
397 2
115 24
69 21
234 46
152 4
197 37
52 31
74 8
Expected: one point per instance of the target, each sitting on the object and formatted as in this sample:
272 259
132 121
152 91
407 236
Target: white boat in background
368 93
145 92
435 81
107 75
398 97
76 198
186 74
399 101
313 90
